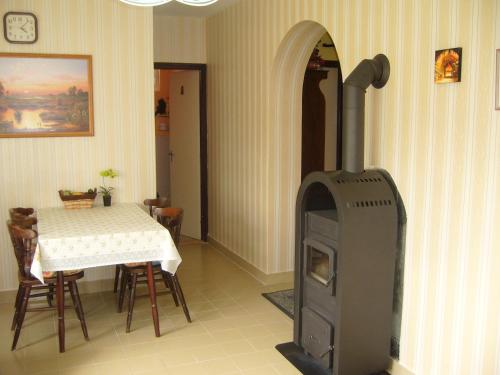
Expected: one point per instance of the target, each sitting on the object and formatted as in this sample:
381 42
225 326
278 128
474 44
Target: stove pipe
375 72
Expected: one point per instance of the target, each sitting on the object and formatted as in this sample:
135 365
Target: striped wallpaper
441 143
179 39
120 39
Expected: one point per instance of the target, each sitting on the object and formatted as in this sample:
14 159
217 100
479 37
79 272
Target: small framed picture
448 65
497 81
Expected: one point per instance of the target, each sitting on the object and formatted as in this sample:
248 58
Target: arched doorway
284 169
285 153
322 109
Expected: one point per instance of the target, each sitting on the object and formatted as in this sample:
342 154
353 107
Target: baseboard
397 368
84 287
8 296
262 277
94 286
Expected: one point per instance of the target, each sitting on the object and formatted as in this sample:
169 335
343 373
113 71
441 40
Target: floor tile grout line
224 305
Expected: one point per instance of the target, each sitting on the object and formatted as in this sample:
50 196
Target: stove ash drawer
317 337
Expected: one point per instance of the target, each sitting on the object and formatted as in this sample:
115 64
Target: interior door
185 149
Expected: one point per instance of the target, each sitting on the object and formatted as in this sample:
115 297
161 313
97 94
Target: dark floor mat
282 299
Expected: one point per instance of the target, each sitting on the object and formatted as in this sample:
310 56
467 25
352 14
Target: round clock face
20 27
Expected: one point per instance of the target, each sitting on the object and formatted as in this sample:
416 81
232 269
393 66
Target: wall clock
20 27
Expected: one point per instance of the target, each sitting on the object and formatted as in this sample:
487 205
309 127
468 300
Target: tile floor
234 329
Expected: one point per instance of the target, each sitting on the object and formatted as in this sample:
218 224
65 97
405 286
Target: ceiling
178 9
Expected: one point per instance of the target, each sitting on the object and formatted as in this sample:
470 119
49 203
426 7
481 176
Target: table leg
152 297
60 308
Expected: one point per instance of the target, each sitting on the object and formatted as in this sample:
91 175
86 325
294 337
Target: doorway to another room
298 67
181 142
322 110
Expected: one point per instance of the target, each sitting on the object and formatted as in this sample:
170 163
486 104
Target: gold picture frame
45 95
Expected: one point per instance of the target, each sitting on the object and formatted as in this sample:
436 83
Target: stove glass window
319 265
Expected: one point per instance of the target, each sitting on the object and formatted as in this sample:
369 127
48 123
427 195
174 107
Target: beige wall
32 170
440 143
179 39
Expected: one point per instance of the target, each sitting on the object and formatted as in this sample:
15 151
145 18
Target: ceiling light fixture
197 3
150 3
145 3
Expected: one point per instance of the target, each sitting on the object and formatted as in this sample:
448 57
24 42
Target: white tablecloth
100 236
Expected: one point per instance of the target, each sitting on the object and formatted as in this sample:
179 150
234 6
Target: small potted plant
106 190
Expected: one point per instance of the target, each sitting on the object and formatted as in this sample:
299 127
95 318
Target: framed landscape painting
45 95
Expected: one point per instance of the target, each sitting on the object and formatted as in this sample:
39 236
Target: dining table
71 239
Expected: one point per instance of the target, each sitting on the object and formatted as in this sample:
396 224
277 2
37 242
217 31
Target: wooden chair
171 218
151 204
21 211
133 273
23 217
23 240
155 203
28 222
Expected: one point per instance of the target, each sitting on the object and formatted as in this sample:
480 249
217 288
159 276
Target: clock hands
22 27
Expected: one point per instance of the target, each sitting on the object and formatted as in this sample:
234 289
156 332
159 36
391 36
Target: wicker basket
74 201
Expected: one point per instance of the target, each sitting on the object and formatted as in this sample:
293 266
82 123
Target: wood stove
347 232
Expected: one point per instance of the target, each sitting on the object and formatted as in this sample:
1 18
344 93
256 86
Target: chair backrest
25 222
23 240
157 202
21 216
21 211
171 218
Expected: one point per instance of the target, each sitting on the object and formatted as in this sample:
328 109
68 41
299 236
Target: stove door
317 337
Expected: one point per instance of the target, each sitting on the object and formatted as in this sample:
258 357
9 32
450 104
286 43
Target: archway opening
285 139
285 148
322 109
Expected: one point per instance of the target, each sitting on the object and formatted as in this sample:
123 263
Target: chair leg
61 327
22 311
121 294
152 297
170 285
117 277
180 295
77 303
131 300
50 296
17 305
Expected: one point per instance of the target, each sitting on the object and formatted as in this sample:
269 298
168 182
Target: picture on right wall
448 65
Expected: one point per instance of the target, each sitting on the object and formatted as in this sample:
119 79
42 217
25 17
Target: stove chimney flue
368 72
